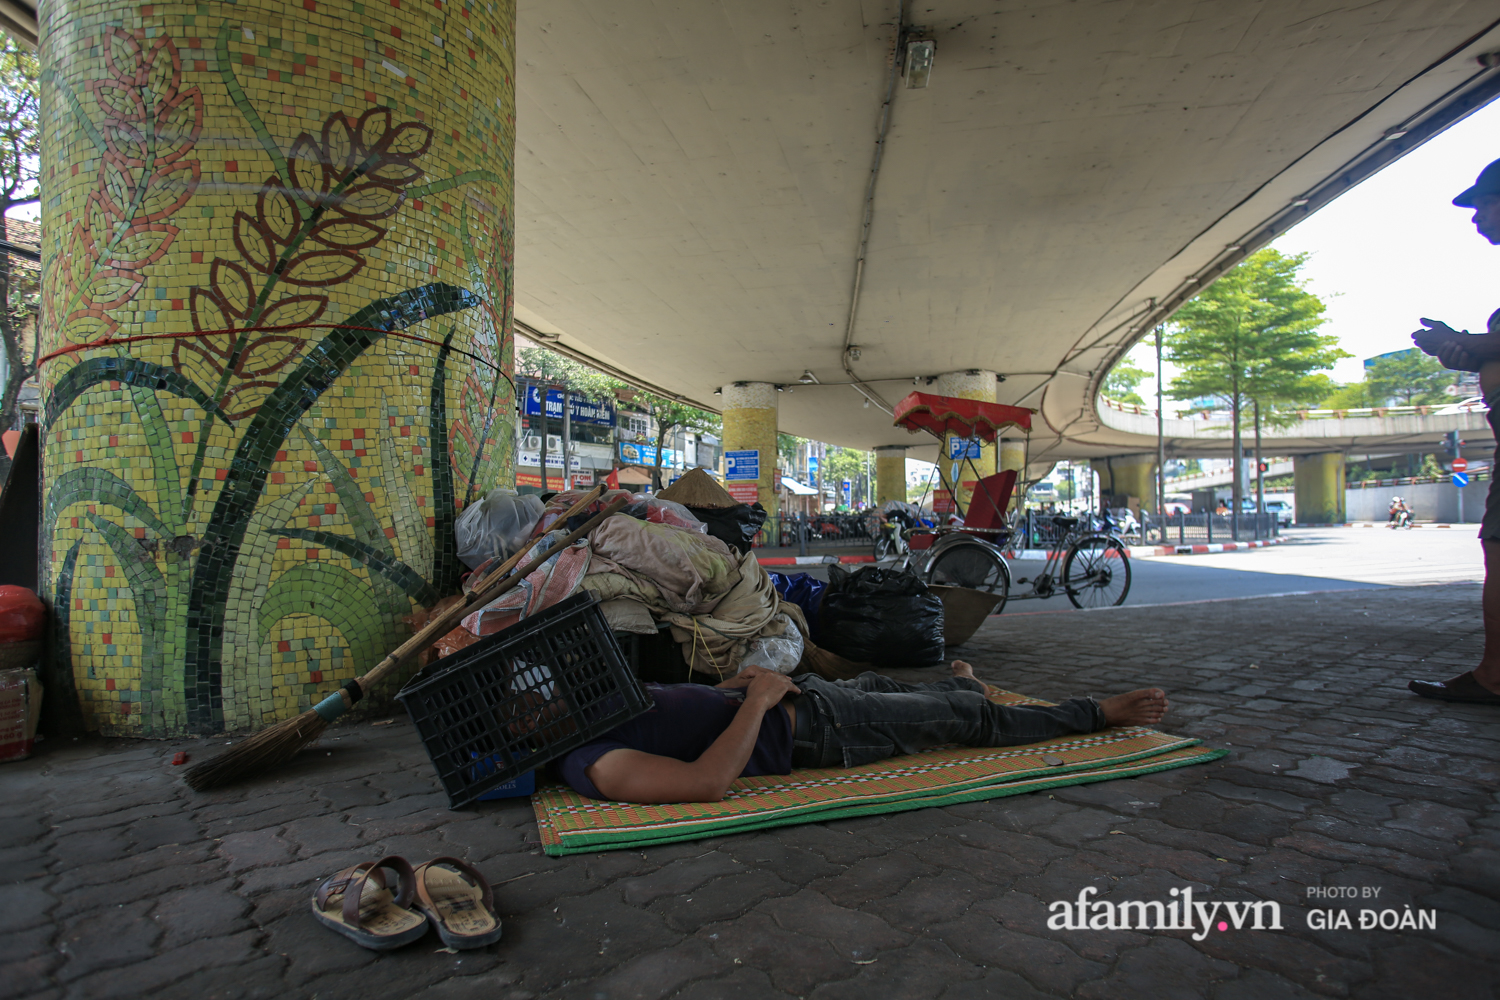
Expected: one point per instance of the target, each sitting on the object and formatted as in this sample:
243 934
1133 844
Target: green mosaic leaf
367 527
79 115
89 484
467 177
339 598
131 371
445 564
316 371
388 566
149 592
252 117
164 466
411 528
59 679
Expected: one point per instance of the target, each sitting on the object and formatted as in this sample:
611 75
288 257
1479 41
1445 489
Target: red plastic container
23 617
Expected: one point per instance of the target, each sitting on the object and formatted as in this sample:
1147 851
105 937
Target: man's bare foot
962 669
1135 708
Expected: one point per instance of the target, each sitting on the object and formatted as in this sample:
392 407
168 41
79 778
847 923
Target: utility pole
567 439
1161 449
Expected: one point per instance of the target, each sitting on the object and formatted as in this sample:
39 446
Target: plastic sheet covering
659 511
736 526
805 591
561 502
496 526
781 653
881 617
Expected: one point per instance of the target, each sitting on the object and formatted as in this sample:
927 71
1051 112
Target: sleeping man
695 740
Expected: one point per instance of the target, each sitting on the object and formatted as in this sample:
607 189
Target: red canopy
965 418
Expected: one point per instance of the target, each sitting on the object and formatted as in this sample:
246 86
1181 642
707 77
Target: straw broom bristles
275 745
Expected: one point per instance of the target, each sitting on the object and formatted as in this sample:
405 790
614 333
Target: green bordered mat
572 824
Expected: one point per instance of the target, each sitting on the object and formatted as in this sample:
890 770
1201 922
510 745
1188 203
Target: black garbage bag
881 617
736 526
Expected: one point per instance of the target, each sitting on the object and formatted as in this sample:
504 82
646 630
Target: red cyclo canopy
965 418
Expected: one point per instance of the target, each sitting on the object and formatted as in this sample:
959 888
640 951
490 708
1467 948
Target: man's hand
1458 350
746 675
767 687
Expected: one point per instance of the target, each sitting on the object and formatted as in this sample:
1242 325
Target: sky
1394 249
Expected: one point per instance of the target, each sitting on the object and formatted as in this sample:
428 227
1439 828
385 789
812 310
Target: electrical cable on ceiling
851 352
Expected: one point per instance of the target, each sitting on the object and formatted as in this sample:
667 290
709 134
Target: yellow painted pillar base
1128 476
1319 484
972 384
1012 455
890 474
750 426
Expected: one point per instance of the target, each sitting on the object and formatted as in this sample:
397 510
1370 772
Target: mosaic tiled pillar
277 299
890 474
750 425
963 473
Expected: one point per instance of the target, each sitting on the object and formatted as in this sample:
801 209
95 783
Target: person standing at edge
1463 351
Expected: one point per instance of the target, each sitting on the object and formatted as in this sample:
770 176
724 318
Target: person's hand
767 687
747 674
1434 334
1455 358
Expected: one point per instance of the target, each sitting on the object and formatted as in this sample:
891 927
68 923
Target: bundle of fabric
721 606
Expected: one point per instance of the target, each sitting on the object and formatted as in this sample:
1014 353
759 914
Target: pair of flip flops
449 894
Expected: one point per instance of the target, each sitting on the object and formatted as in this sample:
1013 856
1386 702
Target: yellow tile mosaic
276 314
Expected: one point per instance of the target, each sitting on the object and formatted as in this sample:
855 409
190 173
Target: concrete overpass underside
691 183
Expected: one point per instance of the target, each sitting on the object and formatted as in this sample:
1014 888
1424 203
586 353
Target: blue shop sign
582 411
645 454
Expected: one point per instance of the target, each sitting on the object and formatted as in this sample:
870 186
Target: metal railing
1362 411
1190 529
819 531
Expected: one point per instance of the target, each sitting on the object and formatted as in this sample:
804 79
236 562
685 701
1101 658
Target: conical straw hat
698 489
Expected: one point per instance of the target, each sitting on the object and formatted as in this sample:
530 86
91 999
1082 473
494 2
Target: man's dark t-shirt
684 721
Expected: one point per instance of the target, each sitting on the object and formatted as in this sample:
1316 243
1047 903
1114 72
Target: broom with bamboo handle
278 744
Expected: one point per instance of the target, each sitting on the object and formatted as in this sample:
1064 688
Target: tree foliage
1121 382
1410 377
1252 335
1252 338
20 279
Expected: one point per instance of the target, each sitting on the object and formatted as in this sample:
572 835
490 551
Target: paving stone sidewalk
117 881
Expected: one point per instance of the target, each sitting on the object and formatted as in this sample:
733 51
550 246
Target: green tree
548 366
1250 339
845 463
1121 382
1350 396
670 415
1409 376
787 446
20 278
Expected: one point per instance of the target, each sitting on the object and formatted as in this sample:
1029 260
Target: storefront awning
795 488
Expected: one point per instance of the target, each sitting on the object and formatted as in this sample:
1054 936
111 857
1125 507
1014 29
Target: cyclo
1085 560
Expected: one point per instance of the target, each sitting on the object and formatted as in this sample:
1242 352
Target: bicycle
1094 564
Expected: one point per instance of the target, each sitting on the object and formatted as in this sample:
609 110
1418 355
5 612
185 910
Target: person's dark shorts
1489 527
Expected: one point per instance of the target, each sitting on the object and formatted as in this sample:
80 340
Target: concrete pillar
1319 484
972 384
750 425
890 474
1128 475
1012 455
237 521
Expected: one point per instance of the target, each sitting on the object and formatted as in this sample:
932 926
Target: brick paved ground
117 881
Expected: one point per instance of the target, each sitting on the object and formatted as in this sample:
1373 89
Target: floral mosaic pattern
295 222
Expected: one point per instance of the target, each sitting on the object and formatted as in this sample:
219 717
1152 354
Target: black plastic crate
522 697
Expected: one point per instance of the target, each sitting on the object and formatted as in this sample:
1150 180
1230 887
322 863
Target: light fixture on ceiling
807 377
718 392
1234 246
918 68
1298 203
867 402
1395 133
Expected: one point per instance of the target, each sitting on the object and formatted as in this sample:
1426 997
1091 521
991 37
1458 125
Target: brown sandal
357 902
460 903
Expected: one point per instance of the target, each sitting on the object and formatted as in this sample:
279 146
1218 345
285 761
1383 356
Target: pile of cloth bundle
655 566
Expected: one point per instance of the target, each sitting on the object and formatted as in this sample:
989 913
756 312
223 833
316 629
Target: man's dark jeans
872 717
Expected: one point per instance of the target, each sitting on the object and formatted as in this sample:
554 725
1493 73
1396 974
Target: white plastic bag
780 653
496 526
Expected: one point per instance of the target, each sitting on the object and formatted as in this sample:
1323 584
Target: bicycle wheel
884 547
975 566
1096 573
